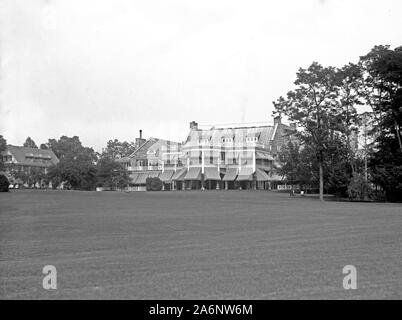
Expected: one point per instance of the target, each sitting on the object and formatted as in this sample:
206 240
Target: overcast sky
105 69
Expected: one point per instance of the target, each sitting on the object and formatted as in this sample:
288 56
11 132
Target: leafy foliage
3 183
30 143
111 174
153 184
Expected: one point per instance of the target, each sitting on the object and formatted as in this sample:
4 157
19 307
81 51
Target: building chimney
277 120
139 141
193 125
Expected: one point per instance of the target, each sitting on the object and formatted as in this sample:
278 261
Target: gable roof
149 143
31 156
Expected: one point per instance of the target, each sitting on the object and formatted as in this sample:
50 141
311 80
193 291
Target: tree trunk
321 181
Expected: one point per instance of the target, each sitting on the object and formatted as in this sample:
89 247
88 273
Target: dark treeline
79 167
324 105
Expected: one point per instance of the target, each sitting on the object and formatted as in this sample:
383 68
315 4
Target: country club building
225 157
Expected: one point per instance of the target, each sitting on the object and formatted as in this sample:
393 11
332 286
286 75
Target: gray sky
105 69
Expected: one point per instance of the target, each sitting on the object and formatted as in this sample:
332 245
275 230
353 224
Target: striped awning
166 175
261 175
211 173
142 177
134 177
179 174
193 173
153 174
231 174
263 155
275 177
245 174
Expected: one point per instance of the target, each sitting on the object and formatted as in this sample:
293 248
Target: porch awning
179 174
261 175
134 177
263 155
246 174
166 175
212 173
275 177
231 174
193 173
153 174
141 178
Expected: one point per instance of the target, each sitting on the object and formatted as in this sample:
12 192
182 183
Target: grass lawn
196 245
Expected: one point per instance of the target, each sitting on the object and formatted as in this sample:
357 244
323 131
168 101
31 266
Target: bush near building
3 183
153 184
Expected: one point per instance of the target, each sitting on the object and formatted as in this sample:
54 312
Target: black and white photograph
214 151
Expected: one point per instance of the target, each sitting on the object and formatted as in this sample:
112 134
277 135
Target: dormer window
227 140
252 139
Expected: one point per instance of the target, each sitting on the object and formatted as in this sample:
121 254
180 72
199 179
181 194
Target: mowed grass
196 245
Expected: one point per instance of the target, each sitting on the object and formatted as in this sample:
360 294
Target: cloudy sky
105 69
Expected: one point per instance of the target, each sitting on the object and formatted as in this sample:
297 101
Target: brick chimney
193 125
139 141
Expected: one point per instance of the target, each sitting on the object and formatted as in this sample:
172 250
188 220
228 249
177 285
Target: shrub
3 183
153 184
358 188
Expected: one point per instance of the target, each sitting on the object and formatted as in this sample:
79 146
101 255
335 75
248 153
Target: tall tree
3 147
30 143
350 86
111 174
116 149
383 81
310 105
77 163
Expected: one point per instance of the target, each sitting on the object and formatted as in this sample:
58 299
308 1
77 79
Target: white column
240 161
202 161
254 160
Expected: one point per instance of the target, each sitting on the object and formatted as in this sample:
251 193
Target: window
226 140
223 155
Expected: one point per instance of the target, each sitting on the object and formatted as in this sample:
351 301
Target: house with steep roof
149 160
25 159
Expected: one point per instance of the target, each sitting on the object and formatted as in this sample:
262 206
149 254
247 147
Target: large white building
225 157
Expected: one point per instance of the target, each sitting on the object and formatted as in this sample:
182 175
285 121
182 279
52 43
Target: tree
4 184
310 105
117 149
111 174
3 147
70 148
77 163
350 86
383 92
30 143
296 163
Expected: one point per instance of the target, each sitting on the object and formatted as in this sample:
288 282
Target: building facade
238 157
149 160
26 160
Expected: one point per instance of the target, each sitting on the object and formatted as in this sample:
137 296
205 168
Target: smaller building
26 160
149 160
